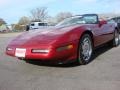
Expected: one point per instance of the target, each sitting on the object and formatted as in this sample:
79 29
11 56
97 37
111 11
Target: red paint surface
56 37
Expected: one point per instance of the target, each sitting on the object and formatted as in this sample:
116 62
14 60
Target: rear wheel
116 38
85 49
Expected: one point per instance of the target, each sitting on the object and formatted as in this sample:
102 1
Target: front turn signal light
65 48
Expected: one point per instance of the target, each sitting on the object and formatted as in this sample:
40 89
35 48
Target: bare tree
108 15
2 21
61 16
24 20
39 14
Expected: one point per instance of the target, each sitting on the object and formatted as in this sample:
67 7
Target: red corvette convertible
72 39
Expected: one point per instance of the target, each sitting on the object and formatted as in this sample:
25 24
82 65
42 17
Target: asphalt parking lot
103 73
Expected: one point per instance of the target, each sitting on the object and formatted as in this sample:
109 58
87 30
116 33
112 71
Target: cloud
4 2
12 10
23 3
41 2
101 2
112 4
85 1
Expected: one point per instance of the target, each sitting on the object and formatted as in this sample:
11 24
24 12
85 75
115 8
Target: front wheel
85 49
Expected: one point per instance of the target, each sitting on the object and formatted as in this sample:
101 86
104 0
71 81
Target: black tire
86 44
115 40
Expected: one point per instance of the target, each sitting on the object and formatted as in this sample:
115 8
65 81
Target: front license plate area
20 52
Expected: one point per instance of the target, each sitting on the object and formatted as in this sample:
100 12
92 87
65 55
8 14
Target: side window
119 20
40 24
45 24
111 21
91 19
32 24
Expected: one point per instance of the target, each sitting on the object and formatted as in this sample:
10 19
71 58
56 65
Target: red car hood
41 37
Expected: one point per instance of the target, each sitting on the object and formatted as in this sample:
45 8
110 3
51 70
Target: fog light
40 51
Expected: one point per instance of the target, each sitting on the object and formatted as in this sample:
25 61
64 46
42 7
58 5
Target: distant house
4 28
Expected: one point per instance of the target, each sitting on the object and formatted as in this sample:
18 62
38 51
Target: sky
12 10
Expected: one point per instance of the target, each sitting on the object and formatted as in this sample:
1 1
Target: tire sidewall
80 57
114 42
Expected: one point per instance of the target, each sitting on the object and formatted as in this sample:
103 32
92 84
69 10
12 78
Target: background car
117 20
37 25
73 39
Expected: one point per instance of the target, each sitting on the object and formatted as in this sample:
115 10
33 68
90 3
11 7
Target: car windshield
78 20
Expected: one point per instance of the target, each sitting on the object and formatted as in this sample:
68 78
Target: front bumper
53 54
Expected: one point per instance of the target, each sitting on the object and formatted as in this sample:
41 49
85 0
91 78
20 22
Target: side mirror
102 22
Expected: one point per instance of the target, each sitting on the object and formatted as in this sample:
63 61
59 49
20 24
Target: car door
103 32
